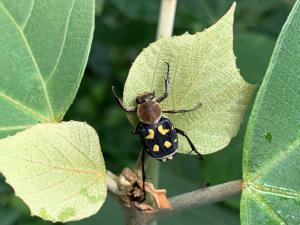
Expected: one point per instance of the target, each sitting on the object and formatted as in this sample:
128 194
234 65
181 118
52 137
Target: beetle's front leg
183 110
121 104
167 85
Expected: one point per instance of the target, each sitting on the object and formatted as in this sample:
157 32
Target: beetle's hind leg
167 85
183 110
193 147
121 104
143 173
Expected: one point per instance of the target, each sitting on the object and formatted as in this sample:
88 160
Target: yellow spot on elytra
172 127
167 144
150 134
175 140
155 148
162 130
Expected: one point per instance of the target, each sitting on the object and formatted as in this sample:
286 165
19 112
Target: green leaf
271 193
56 169
44 47
229 161
202 69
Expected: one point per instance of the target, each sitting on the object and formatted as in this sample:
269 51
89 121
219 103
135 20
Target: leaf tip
233 5
232 9
228 17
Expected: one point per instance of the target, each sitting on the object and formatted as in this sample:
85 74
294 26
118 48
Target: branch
166 18
193 199
204 196
164 29
112 183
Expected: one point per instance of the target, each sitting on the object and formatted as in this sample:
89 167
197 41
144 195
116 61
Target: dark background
123 29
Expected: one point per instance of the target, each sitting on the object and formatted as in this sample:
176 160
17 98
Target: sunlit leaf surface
56 169
202 69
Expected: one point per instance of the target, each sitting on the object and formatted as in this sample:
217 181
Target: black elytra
157 133
159 140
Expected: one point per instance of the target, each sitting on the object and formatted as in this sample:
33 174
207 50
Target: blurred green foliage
123 29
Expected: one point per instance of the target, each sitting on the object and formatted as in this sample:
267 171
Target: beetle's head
145 97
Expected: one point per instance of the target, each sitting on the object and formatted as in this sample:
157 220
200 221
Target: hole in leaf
268 137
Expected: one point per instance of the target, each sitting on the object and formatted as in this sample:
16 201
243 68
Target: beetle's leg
167 85
194 149
143 173
183 110
135 131
120 102
204 185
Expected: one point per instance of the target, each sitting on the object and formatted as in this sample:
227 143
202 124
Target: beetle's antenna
115 95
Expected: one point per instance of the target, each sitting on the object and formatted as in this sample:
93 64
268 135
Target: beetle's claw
169 157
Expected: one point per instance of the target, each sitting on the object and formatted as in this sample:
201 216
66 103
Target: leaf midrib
66 169
272 190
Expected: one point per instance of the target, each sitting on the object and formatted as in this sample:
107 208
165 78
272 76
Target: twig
164 29
166 18
193 199
112 183
204 196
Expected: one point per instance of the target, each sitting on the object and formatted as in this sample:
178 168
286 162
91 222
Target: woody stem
189 200
200 197
164 29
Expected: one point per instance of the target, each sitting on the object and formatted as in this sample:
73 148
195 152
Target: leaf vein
268 189
78 150
40 77
57 150
63 43
268 208
270 164
29 15
72 170
23 107
15 127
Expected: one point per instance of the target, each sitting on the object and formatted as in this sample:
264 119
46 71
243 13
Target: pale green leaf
56 169
271 193
44 47
202 69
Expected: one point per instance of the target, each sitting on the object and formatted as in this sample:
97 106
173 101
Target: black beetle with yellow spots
157 133
159 140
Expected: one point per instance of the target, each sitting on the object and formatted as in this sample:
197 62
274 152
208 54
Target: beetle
158 135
